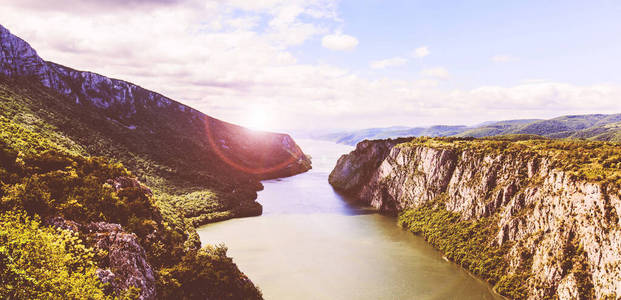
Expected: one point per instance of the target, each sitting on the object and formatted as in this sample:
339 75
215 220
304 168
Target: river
312 243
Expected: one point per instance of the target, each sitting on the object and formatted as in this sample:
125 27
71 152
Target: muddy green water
312 243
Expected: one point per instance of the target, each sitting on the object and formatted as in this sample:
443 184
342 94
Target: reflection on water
311 243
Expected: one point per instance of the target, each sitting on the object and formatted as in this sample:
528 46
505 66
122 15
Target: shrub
206 274
467 243
44 263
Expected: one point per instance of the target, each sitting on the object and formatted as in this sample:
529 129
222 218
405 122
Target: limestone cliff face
353 171
564 229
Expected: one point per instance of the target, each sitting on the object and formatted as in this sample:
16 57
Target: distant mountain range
601 127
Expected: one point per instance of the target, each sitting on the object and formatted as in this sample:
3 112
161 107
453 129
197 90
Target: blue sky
330 64
573 41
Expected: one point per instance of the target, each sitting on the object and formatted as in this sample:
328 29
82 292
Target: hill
598 127
102 183
210 169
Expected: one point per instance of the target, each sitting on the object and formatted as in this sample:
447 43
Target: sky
327 64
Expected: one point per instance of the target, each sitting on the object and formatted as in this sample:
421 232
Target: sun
258 118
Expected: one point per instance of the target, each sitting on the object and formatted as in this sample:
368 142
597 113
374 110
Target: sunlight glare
257 119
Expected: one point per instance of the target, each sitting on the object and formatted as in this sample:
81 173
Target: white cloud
500 58
535 80
390 62
339 41
546 96
212 57
421 52
438 72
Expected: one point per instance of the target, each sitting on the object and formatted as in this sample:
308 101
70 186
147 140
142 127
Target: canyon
129 174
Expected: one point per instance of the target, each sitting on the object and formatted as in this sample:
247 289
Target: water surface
311 243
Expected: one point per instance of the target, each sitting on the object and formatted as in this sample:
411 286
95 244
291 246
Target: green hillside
44 173
199 195
204 167
494 128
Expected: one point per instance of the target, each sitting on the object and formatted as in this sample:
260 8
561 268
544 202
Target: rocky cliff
539 219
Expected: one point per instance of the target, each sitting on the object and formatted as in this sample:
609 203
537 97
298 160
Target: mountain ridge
606 127
117 98
194 151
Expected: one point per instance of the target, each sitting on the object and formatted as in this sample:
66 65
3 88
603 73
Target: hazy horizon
322 64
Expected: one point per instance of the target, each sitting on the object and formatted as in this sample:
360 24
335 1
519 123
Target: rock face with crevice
126 264
564 230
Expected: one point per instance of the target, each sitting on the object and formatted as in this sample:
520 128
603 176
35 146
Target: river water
312 243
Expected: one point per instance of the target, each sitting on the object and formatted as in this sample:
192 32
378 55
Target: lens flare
259 170
257 119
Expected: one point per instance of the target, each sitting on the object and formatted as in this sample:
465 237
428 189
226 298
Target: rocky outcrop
125 264
563 230
353 171
124 267
122 182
